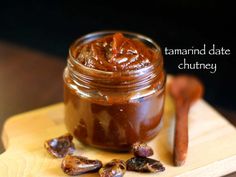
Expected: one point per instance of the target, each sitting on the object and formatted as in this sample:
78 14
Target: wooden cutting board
212 148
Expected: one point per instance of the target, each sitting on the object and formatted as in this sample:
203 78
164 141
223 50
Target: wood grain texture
211 152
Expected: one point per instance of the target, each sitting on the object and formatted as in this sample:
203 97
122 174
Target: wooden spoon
184 90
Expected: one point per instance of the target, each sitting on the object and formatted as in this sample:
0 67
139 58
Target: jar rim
95 35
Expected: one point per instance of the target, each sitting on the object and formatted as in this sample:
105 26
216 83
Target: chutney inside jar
114 89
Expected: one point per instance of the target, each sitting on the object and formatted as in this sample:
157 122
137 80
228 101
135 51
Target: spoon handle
181 131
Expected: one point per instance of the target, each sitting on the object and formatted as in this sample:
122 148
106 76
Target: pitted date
142 150
61 146
144 164
114 168
76 165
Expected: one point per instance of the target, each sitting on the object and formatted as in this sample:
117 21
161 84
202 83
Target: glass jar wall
113 109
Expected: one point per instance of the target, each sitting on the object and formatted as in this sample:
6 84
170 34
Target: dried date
76 165
114 168
142 150
144 164
61 146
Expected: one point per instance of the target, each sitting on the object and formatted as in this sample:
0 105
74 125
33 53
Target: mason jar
113 110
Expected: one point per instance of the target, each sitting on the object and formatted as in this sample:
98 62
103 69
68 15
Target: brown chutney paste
114 89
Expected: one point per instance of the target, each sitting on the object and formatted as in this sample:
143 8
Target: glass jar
112 110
